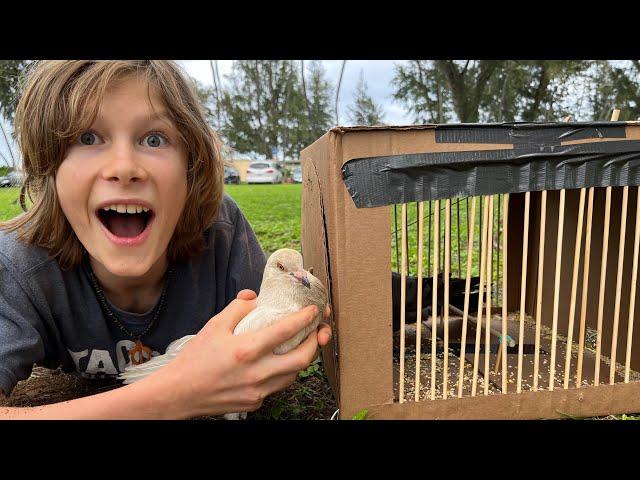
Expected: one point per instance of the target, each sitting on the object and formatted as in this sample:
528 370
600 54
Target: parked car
5 181
231 175
264 172
297 174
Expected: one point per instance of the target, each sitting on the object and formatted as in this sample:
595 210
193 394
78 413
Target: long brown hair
59 100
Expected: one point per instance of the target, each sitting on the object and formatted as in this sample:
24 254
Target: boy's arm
142 400
216 373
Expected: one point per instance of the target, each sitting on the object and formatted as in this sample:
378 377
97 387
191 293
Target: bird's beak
301 276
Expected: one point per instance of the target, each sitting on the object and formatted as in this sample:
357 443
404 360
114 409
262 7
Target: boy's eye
154 140
88 138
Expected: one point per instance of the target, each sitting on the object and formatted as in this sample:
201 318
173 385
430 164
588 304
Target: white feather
133 373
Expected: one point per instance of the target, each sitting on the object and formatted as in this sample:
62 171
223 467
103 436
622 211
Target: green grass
458 237
9 206
273 211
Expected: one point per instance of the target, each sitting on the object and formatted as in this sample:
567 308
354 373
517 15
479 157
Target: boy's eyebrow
161 115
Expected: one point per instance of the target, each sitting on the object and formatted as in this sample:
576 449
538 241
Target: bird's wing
133 373
261 317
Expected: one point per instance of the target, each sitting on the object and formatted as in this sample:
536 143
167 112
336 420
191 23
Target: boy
130 244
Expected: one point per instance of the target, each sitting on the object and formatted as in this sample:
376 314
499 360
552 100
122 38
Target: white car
264 172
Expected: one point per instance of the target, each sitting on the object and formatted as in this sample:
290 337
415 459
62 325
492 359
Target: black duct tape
537 162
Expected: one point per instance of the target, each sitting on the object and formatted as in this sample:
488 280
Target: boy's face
129 160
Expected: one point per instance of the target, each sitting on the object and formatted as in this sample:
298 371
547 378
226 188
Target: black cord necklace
140 353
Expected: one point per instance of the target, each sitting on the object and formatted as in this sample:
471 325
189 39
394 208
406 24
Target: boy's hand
324 330
218 372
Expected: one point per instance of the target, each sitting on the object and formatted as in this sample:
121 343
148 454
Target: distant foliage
444 91
264 108
364 110
11 72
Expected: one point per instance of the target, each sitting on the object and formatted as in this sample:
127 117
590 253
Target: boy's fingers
324 334
246 294
297 359
267 339
327 311
279 382
232 314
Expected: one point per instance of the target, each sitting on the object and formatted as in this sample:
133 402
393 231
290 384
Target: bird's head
285 266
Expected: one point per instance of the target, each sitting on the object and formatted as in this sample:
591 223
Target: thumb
246 294
232 314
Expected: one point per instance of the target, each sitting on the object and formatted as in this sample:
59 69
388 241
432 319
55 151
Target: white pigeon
286 288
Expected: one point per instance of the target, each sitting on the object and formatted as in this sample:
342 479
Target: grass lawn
273 211
9 206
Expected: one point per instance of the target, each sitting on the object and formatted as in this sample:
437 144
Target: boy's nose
122 165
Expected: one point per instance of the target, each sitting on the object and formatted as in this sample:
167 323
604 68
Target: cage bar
403 298
574 288
419 300
603 277
434 299
483 266
467 287
616 315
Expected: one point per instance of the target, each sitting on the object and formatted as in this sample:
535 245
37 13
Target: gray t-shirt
53 318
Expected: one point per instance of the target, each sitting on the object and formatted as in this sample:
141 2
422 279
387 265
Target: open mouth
125 224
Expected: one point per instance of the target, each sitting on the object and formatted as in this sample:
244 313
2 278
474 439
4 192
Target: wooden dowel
395 223
403 299
503 340
615 114
616 314
536 354
523 286
603 277
447 262
467 288
434 300
429 242
556 290
458 232
574 289
632 300
483 266
487 336
497 262
442 243
419 301
585 287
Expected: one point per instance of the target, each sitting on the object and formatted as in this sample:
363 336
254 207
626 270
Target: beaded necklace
140 353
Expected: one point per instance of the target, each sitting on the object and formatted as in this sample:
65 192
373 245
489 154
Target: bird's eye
154 140
280 266
88 138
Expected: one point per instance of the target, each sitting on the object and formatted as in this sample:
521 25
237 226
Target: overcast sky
377 74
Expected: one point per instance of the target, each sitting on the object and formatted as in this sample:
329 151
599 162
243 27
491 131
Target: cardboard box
349 246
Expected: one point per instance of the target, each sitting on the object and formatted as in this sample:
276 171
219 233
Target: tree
265 109
489 90
467 82
420 87
614 85
364 110
11 72
319 116
207 97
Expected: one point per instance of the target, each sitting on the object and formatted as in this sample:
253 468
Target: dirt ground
310 398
